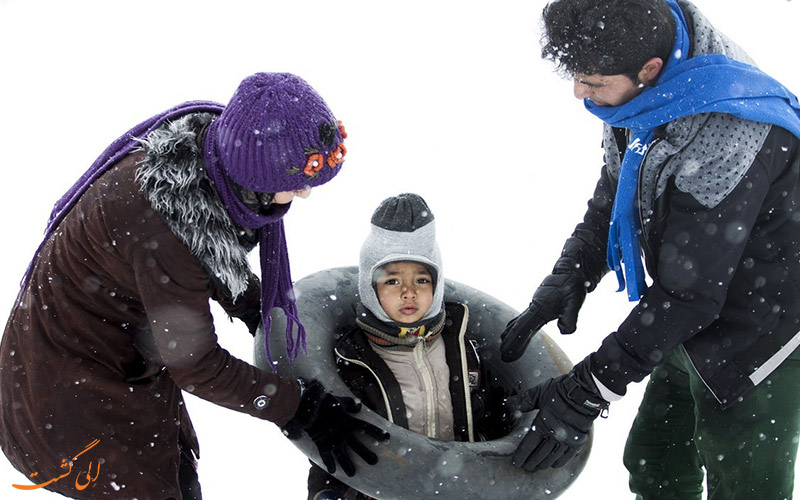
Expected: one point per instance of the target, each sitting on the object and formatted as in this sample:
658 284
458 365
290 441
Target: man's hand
567 407
328 421
560 296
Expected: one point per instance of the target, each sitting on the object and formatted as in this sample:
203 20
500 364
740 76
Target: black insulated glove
252 319
328 421
567 407
560 296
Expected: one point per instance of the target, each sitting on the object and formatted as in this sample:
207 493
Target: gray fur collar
173 177
705 163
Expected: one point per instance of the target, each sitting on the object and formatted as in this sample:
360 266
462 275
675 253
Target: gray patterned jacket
718 200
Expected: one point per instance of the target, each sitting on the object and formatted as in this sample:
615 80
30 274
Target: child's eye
423 281
391 281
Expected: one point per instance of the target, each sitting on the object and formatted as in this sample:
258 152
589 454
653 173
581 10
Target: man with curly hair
702 165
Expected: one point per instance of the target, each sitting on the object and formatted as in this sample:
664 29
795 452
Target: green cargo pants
748 451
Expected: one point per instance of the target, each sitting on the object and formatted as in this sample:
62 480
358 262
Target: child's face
405 291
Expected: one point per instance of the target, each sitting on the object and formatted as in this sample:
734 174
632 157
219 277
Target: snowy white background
448 99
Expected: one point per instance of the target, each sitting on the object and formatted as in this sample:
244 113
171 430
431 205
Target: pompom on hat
276 134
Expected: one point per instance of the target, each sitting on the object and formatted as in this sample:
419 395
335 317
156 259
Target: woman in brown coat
113 317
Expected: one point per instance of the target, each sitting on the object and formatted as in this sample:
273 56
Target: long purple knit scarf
276 279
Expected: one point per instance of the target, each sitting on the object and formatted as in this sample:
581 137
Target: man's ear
650 70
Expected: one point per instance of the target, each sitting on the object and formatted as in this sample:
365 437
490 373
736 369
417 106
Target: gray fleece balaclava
402 230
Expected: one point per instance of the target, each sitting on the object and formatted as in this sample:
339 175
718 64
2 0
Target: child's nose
409 292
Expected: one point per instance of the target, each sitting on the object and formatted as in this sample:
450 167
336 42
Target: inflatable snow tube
410 465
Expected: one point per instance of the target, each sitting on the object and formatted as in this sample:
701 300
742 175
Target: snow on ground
448 99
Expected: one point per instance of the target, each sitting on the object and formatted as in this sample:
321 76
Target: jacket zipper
377 379
649 253
428 386
698 374
462 346
643 239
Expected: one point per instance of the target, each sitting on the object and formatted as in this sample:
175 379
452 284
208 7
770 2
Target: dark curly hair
607 37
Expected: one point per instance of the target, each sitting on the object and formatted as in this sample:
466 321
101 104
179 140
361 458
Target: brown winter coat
113 323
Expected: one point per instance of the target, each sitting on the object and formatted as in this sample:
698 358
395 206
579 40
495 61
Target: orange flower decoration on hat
337 155
314 164
317 160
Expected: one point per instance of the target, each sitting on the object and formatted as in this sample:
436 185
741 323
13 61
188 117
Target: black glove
252 319
567 407
560 295
328 422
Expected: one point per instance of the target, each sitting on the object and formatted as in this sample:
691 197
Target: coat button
261 403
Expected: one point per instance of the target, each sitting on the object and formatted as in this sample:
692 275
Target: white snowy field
448 99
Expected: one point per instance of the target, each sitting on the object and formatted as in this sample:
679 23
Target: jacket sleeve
699 251
175 293
587 244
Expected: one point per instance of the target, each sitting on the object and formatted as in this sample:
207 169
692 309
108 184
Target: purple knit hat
276 134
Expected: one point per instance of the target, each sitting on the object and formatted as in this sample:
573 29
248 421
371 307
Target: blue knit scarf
686 86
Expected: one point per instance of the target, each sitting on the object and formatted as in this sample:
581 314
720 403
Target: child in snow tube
408 358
